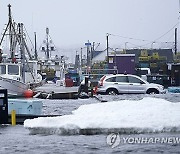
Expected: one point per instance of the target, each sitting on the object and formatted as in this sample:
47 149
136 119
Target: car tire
152 91
112 92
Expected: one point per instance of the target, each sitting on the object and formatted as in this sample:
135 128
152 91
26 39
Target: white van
143 72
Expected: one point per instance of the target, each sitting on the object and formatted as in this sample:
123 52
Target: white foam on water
125 116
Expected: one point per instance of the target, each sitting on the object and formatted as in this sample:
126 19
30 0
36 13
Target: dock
53 91
20 118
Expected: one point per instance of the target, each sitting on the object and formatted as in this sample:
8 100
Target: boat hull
15 88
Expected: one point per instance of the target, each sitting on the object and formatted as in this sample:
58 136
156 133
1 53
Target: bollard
13 117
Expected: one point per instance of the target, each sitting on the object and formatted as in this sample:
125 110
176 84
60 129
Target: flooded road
18 140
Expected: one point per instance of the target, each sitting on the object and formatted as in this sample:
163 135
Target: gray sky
73 22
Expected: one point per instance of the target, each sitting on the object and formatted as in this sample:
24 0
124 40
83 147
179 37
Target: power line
144 40
129 37
167 32
160 36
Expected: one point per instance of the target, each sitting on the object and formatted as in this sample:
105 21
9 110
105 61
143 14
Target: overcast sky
74 22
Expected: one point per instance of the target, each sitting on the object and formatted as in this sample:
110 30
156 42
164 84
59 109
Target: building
124 63
165 55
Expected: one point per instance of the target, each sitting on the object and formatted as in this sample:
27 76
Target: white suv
121 84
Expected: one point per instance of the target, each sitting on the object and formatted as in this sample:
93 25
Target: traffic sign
88 44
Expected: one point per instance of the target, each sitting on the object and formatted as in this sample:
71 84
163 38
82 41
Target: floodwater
16 139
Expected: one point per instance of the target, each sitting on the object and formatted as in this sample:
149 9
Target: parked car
126 83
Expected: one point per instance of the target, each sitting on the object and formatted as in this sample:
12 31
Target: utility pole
175 48
35 46
88 54
81 59
92 51
107 41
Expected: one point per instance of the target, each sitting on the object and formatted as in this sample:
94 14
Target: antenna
179 6
47 31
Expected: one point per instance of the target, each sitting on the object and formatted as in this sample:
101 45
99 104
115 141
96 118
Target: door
123 85
136 85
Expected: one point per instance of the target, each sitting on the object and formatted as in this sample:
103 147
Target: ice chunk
126 116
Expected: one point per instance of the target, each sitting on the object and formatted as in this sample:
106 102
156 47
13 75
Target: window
56 63
134 80
113 79
2 69
121 79
13 69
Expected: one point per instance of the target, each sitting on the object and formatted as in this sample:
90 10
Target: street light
115 66
152 45
81 56
126 46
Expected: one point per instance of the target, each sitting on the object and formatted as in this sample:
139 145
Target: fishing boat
53 65
11 79
17 71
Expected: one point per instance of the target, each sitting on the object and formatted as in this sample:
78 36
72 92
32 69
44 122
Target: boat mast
47 42
13 36
48 46
22 49
12 33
